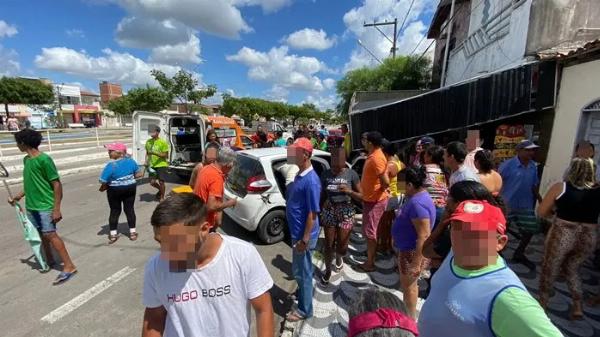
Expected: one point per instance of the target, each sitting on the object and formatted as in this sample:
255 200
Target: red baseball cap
304 144
116 147
480 215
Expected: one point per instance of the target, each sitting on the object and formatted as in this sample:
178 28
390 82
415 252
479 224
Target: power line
367 49
395 23
442 29
405 17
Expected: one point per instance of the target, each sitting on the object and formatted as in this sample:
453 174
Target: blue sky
289 50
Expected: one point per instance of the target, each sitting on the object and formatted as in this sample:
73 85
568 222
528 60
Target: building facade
109 91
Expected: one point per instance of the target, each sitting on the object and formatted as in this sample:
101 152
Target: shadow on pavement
104 230
284 265
231 228
32 262
148 197
281 303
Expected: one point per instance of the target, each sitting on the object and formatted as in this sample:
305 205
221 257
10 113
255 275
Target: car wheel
271 228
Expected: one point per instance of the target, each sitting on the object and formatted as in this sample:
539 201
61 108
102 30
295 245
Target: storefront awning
500 95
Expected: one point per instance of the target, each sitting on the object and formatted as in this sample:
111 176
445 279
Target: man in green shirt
157 152
43 192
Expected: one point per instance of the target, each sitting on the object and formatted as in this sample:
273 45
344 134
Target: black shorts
160 173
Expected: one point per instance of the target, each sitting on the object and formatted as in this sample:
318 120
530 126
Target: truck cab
185 135
229 132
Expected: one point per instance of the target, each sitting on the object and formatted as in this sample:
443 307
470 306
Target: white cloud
112 66
382 10
183 53
75 33
281 69
216 17
7 30
268 6
142 32
329 83
277 93
322 102
310 39
231 92
9 62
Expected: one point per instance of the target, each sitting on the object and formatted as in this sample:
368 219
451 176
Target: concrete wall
460 31
578 88
497 39
557 21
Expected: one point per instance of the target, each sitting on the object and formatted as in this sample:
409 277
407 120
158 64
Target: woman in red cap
118 180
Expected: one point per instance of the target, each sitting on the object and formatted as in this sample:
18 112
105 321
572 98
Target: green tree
400 73
148 99
24 91
183 87
120 106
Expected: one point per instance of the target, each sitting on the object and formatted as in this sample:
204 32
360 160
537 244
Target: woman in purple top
410 230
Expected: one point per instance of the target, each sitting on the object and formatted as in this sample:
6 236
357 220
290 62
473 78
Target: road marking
87 295
63 173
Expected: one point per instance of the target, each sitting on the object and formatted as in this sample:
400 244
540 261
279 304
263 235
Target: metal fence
52 137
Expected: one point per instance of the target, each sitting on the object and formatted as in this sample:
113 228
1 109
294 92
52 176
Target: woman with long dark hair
410 230
340 185
212 138
436 182
492 180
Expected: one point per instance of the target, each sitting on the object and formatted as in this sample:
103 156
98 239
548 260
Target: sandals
64 277
133 236
325 281
294 316
112 239
339 267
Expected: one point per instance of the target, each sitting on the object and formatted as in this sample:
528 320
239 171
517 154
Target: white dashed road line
87 295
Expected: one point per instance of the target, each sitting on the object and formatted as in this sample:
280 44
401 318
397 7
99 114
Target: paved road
27 296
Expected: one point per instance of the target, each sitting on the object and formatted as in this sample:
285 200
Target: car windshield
245 168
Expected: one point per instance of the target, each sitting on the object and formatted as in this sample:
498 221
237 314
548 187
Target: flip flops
64 277
294 316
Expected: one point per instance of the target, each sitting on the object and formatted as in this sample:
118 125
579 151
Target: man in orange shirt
374 184
210 184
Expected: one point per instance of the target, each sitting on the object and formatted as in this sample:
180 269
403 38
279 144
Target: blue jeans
42 220
302 269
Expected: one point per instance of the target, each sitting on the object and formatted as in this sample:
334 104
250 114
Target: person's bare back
492 181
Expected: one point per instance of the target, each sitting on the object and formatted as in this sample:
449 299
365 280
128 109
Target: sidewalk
331 303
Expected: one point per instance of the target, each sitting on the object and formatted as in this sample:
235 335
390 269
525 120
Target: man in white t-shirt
202 283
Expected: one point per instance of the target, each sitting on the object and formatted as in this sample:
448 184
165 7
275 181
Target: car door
141 123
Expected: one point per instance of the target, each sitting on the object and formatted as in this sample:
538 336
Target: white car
260 190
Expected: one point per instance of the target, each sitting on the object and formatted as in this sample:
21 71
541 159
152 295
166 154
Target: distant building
109 91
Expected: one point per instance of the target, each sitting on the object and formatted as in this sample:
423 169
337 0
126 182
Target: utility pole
394 41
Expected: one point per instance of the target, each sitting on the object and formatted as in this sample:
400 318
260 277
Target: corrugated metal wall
522 89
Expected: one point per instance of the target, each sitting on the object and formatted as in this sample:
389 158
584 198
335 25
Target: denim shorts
42 220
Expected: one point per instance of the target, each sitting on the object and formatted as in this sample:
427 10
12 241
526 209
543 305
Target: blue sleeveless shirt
462 307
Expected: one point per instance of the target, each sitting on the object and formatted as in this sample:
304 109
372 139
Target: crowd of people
445 212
